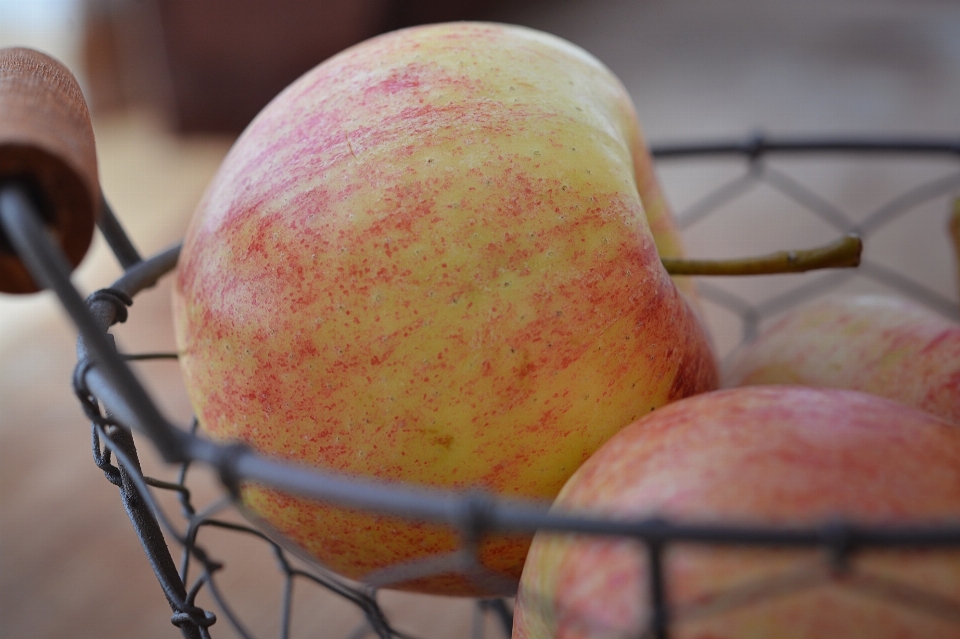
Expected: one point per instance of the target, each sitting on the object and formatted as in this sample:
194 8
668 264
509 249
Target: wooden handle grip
47 146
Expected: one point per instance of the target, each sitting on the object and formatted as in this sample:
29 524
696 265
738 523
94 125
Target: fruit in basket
878 344
429 260
785 456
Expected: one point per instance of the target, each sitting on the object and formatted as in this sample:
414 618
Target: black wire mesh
117 405
757 171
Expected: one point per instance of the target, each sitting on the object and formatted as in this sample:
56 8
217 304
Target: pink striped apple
430 260
872 343
785 456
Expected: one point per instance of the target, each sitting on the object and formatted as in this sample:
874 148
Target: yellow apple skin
785 456
427 260
878 344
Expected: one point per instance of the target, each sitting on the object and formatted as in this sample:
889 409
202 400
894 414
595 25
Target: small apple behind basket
793 457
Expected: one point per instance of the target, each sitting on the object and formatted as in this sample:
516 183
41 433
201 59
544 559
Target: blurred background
172 82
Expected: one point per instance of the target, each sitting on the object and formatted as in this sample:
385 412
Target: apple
782 456
429 260
878 344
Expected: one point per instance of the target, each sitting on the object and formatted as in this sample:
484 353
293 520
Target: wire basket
118 405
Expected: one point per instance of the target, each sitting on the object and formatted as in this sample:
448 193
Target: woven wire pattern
756 171
197 570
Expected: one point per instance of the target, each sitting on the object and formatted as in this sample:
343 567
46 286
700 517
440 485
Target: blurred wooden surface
69 563
213 65
228 58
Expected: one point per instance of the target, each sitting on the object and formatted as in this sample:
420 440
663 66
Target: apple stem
842 253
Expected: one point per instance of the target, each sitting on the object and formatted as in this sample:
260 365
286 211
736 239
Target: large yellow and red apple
433 259
878 344
785 456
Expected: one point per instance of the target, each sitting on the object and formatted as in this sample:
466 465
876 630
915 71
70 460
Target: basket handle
46 148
